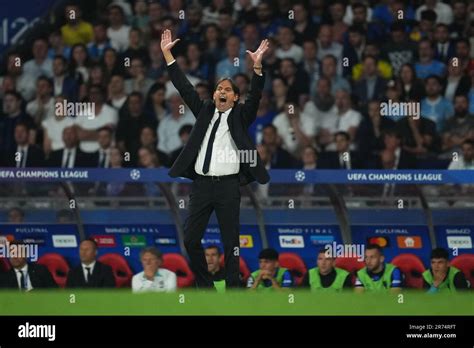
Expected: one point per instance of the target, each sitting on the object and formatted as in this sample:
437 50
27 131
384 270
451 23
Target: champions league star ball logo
299 176
135 174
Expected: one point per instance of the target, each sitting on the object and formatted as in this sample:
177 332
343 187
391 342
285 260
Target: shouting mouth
222 100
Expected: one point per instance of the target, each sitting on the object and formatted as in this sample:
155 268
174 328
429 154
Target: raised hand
166 41
258 54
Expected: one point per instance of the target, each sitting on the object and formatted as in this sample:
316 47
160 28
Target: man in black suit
25 276
342 158
101 158
26 155
90 273
217 180
71 156
394 156
279 158
371 86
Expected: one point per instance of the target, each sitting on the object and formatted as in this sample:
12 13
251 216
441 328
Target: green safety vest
382 284
447 284
279 278
219 285
337 284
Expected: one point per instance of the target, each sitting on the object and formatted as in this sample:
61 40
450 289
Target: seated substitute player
326 276
442 277
377 275
270 276
153 278
213 254
90 273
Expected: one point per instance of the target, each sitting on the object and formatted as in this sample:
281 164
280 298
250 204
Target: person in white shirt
287 47
116 91
444 12
53 128
346 120
118 32
466 160
40 64
87 125
42 107
296 129
168 128
153 278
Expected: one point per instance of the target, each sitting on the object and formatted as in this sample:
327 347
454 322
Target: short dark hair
268 254
235 88
429 15
23 124
47 79
392 133
359 5
185 129
213 246
344 134
373 247
439 253
434 77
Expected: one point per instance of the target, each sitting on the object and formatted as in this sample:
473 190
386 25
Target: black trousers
223 196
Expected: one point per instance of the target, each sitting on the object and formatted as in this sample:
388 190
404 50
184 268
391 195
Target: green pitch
189 302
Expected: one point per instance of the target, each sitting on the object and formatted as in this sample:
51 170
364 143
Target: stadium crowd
330 68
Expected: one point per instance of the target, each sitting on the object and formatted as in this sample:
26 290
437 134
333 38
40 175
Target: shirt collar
91 265
23 269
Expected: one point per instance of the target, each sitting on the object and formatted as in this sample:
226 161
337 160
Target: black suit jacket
330 160
361 90
102 277
82 159
34 158
240 118
39 277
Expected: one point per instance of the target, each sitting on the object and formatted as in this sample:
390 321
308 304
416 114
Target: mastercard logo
382 242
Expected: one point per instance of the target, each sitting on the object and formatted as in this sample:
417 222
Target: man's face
373 259
43 88
268 265
115 17
441 34
18 262
150 263
343 101
212 259
439 266
360 16
300 13
224 96
462 50
286 69
342 144
309 50
104 139
194 18
388 159
322 87
337 11
21 135
370 67
40 49
233 46
432 87
135 106
398 36
269 136
391 141
225 22
136 68
285 36
263 12
325 264
69 137
355 39
87 252
11 105
100 33
58 67
424 50
328 68
325 35
147 137
468 152
461 105
116 84
309 156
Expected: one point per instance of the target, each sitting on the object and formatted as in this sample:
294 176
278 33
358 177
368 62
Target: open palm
166 41
258 54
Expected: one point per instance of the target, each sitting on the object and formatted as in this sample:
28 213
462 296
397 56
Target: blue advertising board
304 240
395 240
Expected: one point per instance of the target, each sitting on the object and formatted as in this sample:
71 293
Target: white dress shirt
164 281
23 150
26 275
84 270
224 150
72 158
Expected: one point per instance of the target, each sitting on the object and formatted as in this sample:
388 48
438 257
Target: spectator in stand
303 27
411 87
457 83
64 84
339 28
75 30
100 43
287 48
466 159
118 32
277 157
353 48
265 116
444 12
328 46
310 63
400 49
40 64
434 106
268 25
399 157
25 154
138 81
116 95
57 46
370 86
42 107
444 47
342 158
184 132
297 80
419 137
148 138
79 67
459 127
329 71
71 155
197 66
234 62
135 48
426 64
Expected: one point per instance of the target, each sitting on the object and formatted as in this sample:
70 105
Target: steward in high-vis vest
213 255
442 277
378 275
269 277
326 277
